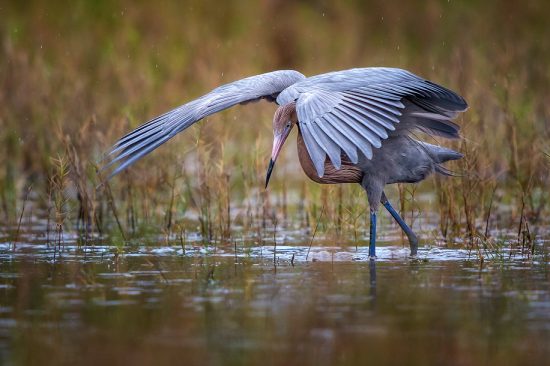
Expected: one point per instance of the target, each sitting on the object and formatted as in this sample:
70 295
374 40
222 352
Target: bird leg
413 240
374 188
372 243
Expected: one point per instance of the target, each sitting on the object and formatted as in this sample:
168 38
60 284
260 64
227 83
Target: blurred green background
76 76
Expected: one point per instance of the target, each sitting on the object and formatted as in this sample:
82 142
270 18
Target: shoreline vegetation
75 78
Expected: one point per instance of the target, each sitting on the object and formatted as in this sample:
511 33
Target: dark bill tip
269 170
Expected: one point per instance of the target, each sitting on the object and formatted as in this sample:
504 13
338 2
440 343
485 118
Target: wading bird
354 126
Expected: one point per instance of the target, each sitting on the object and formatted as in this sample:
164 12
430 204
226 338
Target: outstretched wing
355 110
157 131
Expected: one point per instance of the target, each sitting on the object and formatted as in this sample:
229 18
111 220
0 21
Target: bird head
283 121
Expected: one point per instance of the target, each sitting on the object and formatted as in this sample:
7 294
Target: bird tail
441 155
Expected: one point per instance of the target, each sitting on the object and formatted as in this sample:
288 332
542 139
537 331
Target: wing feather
314 149
339 139
369 130
368 111
327 144
157 131
380 105
353 131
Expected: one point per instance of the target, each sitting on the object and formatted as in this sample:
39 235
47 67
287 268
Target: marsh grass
75 78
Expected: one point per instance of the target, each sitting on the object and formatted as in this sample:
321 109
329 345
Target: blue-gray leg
372 243
413 240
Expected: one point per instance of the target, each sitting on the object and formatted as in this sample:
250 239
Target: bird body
401 159
354 126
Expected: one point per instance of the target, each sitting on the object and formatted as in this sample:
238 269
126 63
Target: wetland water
158 305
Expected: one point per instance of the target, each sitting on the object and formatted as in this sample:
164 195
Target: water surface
144 305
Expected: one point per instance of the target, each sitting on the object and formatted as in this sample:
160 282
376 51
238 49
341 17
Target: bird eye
287 124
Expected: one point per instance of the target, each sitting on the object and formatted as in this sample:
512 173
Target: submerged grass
75 78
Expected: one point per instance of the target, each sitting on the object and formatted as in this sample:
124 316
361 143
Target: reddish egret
354 126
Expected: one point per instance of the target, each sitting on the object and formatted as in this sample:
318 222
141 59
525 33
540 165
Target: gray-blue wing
353 111
157 131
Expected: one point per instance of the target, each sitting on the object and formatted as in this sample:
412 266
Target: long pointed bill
269 170
278 142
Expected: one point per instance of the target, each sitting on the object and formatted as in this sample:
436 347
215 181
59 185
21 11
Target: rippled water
143 305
